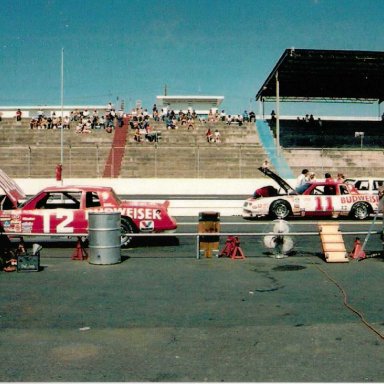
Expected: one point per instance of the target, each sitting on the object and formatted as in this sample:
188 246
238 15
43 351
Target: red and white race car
64 210
320 199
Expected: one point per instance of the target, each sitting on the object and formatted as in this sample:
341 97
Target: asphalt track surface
164 315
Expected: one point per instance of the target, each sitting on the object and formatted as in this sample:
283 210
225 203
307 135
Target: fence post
29 161
97 161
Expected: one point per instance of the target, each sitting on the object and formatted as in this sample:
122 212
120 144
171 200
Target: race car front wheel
360 211
127 227
280 209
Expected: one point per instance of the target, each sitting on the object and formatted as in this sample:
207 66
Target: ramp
333 243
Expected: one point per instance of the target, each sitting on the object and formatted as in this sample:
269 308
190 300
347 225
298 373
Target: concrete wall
182 193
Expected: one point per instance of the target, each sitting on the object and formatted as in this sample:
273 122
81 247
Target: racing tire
360 211
280 209
126 227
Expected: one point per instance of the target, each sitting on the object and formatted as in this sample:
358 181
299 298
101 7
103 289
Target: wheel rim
281 211
361 211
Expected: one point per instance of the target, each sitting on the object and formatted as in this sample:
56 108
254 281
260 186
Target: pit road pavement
164 315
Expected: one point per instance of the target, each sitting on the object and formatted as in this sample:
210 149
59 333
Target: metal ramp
332 243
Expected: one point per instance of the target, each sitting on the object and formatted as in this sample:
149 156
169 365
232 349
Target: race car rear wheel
126 227
280 209
360 211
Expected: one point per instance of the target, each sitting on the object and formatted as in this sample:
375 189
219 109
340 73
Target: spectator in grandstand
101 122
190 123
245 116
109 107
137 136
120 118
265 164
217 136
209 135
252 117
18 114
222 115
66 122
340 178
273 117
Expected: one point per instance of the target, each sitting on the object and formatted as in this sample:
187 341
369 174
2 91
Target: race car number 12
61 227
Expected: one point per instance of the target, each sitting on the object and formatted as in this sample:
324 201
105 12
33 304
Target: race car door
321 200
57 212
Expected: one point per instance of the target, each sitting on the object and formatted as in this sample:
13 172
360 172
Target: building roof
306 74
216 100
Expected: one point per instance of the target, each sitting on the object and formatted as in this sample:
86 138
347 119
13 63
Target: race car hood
11 189
282 183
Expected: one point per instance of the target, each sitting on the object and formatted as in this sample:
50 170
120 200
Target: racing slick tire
360 211
280 209
127 227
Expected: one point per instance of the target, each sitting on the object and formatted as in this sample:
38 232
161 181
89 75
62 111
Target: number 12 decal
61 227
322 205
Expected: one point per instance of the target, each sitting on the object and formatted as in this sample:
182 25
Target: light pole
62 114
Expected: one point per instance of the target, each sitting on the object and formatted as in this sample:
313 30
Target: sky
132 50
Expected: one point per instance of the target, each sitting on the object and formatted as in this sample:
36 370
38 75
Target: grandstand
348 145
179 153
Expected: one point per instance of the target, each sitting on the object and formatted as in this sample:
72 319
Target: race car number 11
322 205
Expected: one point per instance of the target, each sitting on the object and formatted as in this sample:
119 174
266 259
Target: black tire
280 209
127 227
360 211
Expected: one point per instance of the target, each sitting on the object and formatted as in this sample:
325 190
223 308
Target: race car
366 186
319 199
64 210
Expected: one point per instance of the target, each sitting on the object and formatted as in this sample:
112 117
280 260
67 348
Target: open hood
282 183
12 190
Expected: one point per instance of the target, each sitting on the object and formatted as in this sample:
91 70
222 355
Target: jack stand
357 252
80 252
232 249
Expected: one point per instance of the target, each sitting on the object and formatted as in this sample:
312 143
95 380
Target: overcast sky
130 49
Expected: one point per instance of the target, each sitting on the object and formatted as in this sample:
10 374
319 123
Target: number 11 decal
322 205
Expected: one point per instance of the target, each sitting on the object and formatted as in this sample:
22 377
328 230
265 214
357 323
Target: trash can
209 222
104 237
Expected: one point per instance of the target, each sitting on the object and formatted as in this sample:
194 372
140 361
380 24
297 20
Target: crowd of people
85 121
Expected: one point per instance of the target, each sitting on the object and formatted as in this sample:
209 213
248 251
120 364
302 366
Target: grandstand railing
33 164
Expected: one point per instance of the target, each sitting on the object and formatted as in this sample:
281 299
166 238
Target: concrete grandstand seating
186 153
352 163
34 153
179 153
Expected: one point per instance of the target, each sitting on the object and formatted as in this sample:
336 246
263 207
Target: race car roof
326 74
12 190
